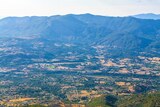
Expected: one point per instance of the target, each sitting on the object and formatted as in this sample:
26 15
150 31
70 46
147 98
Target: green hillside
103 101
144 100
100 101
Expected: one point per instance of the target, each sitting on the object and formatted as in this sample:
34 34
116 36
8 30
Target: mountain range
114 32
147 16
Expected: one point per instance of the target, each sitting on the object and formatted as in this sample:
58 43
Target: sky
61 7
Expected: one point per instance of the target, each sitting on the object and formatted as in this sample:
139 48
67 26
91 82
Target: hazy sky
100 7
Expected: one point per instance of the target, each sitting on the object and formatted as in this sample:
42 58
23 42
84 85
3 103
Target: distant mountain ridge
1 17
117 32
148 16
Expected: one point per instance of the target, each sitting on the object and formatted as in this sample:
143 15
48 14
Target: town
36 73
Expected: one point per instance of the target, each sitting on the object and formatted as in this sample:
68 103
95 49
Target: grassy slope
98 102
145 100
141 100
